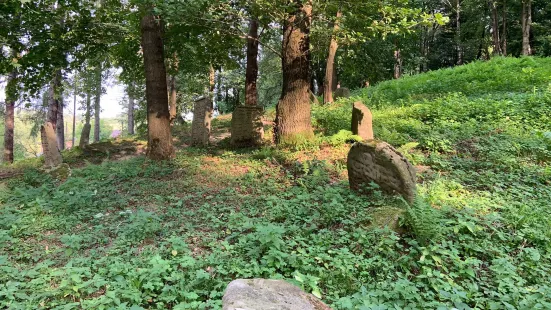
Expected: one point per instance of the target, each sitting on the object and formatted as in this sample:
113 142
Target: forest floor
125 232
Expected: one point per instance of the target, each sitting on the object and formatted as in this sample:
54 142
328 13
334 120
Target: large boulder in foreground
263 294
378 162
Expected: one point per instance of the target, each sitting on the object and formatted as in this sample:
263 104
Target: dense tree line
240 52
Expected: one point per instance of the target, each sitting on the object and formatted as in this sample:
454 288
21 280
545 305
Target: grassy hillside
147 235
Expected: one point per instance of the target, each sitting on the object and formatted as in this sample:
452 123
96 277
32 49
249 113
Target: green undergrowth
135 234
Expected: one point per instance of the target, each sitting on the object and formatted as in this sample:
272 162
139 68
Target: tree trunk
330 76
251 73
158 116
131 109
458 32
526 24
504 31
74 113
97 104
495 28
85 134
60 128
172 98
212 82
397 62
293 119
48 135
9 120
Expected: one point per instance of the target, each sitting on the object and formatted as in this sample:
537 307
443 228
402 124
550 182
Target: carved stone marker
246 126
52 156
200 127
362 121
341 92
378 162
263 294
85 135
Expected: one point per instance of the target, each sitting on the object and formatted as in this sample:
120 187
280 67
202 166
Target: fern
423 220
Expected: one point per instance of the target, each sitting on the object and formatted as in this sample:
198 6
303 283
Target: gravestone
362 121
314 98
263 294
247 128
378 162
85 135
200 127
341 92
52 156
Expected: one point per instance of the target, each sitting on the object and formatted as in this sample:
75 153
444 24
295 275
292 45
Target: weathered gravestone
246 126
362 121
52 156
341 92
85 136
314 98
378 162
263 294
200 127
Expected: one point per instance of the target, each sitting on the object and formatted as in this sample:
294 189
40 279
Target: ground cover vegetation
142 234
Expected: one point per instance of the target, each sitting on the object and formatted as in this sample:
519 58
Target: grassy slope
171 235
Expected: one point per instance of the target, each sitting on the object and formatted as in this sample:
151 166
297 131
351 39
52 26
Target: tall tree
251 73
330 76
131 104
158 115
74 110
97 102
9 119
495 27
60 127
526 25
85 134
293 119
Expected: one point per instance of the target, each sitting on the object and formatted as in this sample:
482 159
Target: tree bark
60 128
131 108
397 62
495 28
293 119
526 25
172 98
458 32
212 82
74 113
9 120
330 75
97 104
251 73
504 29
158 116
85 134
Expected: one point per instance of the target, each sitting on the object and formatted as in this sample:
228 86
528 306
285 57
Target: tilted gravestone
263 294
85 135
52 156
378 162
314 98
200 127
247 128
362 121
341 92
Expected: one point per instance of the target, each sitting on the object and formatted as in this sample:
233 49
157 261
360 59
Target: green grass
135 233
